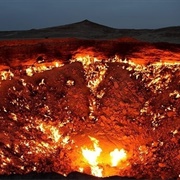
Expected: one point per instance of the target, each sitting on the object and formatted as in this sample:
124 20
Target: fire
38 68
91 157
52 131
117 156
6 75
101 159
51 136
94 69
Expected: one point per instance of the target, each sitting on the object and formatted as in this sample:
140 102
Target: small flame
92 155
51 131
117 156
6 75
81 169
96 171
31 70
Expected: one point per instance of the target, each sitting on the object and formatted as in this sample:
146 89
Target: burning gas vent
96 115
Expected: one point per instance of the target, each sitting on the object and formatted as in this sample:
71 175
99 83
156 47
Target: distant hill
91 30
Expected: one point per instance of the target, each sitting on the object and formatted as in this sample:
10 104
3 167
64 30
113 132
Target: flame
94 69
51 131
91 157
38 68
117 156
102 160
175 93
96 171
6 75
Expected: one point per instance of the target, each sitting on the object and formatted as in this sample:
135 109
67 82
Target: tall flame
92 155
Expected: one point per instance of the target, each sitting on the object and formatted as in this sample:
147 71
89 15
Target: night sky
133 14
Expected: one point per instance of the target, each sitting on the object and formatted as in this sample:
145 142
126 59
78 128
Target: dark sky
137 14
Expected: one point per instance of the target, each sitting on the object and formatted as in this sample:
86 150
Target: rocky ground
56 93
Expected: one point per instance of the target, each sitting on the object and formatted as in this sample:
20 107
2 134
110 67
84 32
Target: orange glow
84 52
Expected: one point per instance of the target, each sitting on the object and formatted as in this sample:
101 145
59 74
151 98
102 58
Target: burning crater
102 108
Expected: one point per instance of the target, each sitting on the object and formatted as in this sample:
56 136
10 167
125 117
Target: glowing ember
117 156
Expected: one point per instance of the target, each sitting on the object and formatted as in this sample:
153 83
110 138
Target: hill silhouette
90 30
